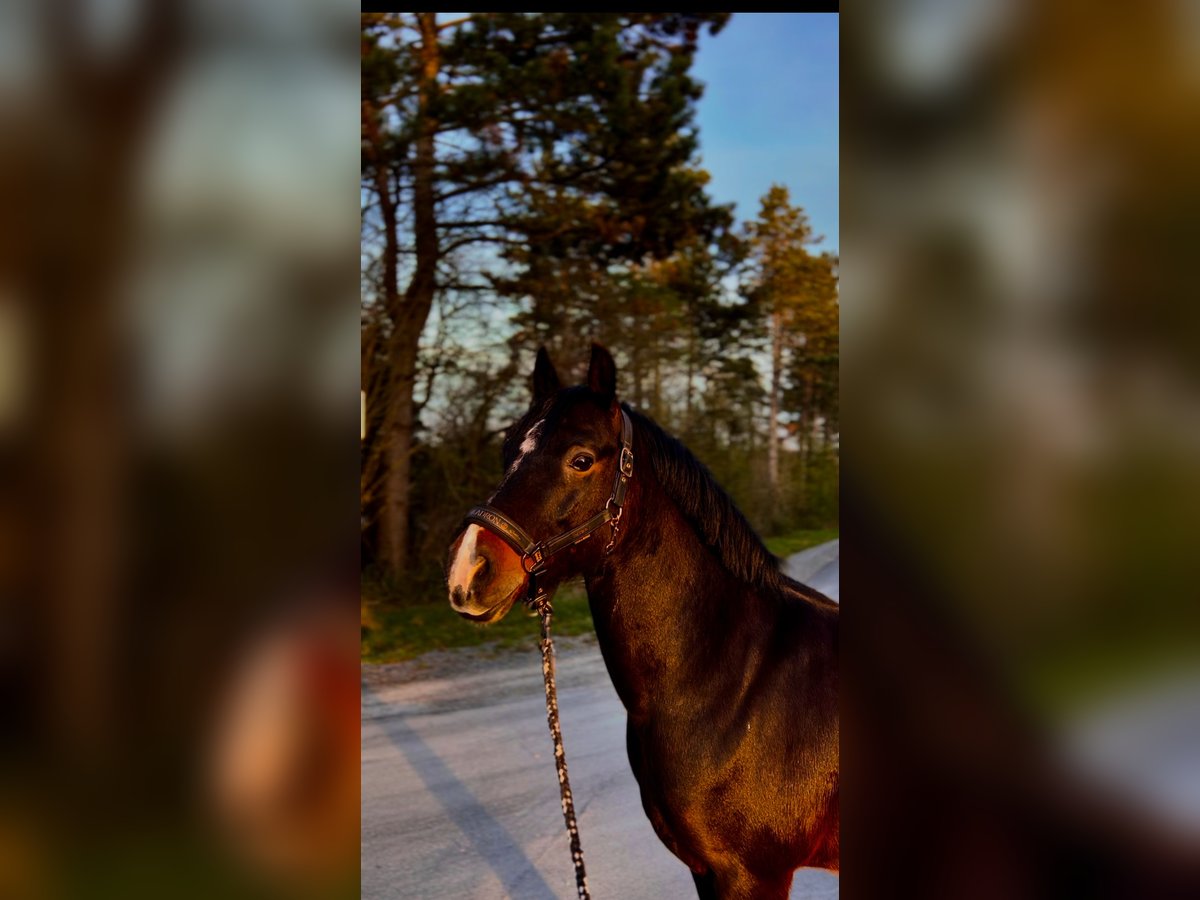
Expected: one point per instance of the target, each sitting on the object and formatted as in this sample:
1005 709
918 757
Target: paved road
817 567
459 797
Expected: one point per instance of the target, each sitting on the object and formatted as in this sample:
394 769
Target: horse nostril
457 597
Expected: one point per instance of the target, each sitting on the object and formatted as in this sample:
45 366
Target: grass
393 633
785 545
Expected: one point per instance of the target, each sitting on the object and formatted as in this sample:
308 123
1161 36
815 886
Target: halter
534 554
533 560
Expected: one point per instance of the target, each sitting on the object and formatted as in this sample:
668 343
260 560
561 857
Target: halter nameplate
500 524
533 554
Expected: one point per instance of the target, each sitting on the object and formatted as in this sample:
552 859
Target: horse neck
664 606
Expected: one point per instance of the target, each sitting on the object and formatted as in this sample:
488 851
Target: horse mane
713 514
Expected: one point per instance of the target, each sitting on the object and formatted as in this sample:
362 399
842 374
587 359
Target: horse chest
751 777
696 784
666 792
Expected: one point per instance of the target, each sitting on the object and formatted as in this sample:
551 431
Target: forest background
537 179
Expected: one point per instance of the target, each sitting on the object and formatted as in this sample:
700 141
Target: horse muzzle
485 577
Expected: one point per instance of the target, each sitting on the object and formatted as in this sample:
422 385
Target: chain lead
541 602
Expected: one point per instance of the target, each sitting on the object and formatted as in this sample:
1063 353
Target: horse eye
581 463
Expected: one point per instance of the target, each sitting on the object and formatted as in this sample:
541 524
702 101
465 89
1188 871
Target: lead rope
541 603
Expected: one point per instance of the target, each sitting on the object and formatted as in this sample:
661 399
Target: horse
726 667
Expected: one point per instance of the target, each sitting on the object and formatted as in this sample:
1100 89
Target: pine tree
796 293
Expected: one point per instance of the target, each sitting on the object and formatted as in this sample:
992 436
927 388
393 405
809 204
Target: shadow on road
491 840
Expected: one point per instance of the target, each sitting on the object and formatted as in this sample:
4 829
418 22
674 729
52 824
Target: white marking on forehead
465 564
527 446
531 437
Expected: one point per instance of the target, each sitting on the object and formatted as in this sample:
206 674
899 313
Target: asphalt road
459 797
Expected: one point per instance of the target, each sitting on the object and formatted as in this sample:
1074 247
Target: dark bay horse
727 668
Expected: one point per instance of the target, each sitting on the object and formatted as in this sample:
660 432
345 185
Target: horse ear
602 374
545 379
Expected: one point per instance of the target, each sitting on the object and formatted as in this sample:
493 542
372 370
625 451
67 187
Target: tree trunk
773 420
635 352
409 316
398 453
656 379
805 435
691 370
83 479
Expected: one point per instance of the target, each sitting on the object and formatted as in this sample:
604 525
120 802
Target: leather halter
535 554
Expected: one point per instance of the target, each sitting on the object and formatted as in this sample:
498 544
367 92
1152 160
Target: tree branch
442 26
477 186
479 239
482 223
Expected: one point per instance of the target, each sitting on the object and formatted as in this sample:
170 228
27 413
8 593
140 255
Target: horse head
566 461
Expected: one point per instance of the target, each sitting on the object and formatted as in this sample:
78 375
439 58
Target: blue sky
770 113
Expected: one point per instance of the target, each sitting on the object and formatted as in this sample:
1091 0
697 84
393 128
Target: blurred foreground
1021 491
177 400
178 372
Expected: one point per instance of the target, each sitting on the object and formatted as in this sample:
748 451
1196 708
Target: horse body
731 695
727 668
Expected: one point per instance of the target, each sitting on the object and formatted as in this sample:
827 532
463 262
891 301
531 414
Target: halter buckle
533 560
626 462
